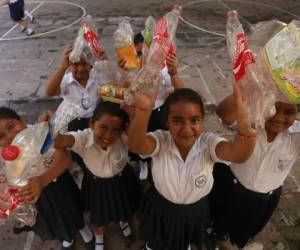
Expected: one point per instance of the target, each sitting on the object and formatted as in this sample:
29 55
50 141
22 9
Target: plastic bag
282 54
67 111
86 42
124 46
148 32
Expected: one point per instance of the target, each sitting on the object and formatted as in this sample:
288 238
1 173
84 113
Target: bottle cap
10 152
232 13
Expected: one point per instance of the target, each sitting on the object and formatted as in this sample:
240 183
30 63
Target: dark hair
138 38
7 113
182 95
110 108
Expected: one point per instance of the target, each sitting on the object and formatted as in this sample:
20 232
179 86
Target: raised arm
59 163
64 141
226 110
172 63
138 141
241 148
53 85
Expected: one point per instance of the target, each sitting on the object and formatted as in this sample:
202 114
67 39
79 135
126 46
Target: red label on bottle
91 38
243 57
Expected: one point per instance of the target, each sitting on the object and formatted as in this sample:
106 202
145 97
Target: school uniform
59 208
251 190
109 187
174 212
70 87
16 10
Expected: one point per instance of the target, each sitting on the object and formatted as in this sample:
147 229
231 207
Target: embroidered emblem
200 181
283 164
49 161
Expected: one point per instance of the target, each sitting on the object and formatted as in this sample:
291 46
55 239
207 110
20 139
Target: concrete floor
27 63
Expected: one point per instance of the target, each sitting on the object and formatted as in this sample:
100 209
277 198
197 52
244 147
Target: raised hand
172 64
65 63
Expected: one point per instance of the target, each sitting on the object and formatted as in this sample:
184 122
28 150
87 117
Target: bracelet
172 73
244 136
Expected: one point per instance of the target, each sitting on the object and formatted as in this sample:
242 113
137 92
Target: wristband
172 73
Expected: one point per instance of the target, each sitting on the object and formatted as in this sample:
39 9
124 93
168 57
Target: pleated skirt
168 226
111 199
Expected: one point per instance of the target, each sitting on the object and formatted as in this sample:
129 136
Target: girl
60 211
79 83
109 187
246 195
174 211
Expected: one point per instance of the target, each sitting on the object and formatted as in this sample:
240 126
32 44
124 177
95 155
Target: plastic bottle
23 153
124 46
245 69
164 36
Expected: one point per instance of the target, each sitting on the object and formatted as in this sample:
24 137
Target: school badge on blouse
200 181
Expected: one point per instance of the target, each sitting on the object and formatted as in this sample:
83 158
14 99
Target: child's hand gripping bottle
244 69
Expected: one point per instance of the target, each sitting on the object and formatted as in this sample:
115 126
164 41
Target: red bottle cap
10 152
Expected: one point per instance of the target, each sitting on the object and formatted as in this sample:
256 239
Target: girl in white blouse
245 195
109 187
174 212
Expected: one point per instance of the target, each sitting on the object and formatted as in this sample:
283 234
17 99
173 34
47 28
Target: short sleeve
212 141
81 140
156 136
295 133
63 85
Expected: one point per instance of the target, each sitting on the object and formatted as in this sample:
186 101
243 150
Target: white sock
29 31
126 230
99 245
29 15
189 248
67 243
147 247
86 234
143 170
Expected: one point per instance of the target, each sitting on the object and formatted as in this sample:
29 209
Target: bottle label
243 57
91 38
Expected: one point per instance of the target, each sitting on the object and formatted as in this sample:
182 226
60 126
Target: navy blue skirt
16 10
60 210
238 212
111 199
168 226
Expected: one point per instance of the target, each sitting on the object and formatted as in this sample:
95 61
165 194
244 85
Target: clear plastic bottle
164 36
165 31
245 69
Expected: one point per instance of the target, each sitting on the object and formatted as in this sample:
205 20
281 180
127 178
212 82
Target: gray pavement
26 64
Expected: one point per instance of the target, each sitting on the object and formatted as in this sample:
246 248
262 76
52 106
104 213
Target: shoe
29 31
18 230
90 245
